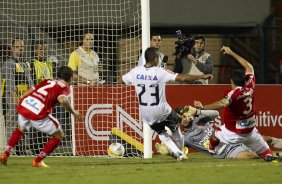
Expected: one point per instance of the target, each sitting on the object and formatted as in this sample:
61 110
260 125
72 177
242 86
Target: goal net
110 111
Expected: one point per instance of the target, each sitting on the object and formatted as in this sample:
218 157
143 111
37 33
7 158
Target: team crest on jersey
146 77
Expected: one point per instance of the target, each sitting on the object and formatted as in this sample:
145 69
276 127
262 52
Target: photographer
197 61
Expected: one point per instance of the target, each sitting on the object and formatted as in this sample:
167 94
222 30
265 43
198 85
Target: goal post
121 28
145 14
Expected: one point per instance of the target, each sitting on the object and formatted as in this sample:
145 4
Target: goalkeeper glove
189 111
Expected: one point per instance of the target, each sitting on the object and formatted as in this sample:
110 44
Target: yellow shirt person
41 67
84 62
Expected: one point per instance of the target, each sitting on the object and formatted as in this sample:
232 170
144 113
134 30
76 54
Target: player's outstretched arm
66 105
248 67
221 104
212 114
189 78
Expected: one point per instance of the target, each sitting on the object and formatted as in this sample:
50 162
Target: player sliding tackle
149 81
34 109
197 131
239 111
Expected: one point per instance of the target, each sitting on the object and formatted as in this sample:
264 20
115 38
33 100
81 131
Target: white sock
165 138
276 143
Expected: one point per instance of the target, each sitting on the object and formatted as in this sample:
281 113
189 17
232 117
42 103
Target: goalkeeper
198 130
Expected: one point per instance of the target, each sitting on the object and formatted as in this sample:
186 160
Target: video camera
184 45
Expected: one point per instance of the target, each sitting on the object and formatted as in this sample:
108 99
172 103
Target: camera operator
196 62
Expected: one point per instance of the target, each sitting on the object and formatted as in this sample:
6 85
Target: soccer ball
116 150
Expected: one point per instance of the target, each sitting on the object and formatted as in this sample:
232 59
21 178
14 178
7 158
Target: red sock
14 139
51 145
213 142
266 152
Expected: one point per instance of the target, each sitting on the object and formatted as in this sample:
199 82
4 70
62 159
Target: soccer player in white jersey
34 109
239 111
149 81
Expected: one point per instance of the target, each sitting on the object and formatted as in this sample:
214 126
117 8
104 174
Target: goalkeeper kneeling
172 138
197 131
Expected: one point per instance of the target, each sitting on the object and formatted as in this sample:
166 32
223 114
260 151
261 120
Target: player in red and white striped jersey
239 111
34 109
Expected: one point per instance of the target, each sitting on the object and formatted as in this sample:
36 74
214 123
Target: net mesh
116 26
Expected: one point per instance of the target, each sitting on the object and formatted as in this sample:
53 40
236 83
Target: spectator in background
197 62
16 73
84 61
41 69
155 42
5 52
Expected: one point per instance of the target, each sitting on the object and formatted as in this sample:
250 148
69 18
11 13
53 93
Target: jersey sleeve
128 77
251 81
231 96
65 91
168 75
201 120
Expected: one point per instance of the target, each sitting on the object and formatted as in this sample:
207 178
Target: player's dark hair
151 53
197 37
65 73
154 34
238 77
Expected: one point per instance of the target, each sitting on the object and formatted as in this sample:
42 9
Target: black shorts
172 122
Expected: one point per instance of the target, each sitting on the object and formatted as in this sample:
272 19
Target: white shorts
252 140
48 125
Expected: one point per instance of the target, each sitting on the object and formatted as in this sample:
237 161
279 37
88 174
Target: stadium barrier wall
103 113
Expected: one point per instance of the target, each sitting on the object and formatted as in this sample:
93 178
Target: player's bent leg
50 146
258 145
178 139
247 155
14 139
177 153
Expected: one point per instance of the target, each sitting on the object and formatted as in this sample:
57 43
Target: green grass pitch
198 169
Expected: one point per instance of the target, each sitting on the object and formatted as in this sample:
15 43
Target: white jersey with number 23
149 83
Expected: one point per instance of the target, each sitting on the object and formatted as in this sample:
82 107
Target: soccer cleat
273 159
181 157
3 158
39 164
